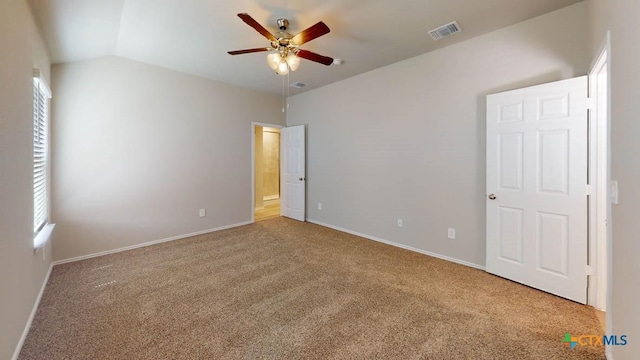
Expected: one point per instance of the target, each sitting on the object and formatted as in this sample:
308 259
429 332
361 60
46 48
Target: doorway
266 172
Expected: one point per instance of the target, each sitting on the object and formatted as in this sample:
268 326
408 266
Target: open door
537 187
292 161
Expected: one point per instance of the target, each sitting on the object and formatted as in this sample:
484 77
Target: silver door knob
492 196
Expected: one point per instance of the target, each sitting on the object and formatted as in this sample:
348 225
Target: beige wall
408 140
271 156
22 272
622 18
139 149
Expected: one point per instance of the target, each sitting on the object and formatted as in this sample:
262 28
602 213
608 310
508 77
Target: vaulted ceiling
193 36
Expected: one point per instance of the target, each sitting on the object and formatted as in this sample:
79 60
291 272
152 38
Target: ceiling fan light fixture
283 68
273 60
293 61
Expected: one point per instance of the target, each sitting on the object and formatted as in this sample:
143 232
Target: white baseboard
406 247
102 253
16 353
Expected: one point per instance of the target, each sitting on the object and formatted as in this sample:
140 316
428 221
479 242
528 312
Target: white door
293 194
536 187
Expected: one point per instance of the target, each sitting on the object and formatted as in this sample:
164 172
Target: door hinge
588 189
589 270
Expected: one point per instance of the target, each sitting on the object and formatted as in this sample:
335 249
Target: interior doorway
266 144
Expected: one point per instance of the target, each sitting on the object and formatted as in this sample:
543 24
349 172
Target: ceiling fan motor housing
283 24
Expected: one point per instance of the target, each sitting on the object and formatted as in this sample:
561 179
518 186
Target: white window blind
41 97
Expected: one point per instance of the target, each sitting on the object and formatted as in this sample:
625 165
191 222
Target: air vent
445 30
298 85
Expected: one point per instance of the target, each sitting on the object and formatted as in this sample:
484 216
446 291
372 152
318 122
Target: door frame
253 163
599 240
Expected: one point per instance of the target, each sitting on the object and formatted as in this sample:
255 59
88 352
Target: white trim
102 253
598 148
605 49
25 332
406 247
37 75
600 218
43 237
253 163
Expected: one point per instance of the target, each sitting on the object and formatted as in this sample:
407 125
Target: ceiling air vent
298 85
445 30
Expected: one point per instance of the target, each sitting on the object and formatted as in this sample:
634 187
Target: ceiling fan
286 47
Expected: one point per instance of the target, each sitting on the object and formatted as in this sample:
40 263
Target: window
41 96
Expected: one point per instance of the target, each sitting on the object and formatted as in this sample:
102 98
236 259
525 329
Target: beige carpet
280 289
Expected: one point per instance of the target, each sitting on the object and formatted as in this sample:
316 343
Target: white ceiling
193 36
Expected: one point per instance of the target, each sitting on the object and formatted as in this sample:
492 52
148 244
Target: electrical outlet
451 233
319 206
203 212
400 223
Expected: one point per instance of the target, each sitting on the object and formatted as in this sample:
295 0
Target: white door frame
253 163
600 233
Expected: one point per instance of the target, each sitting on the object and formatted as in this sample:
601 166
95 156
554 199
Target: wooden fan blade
311 33
325 60
247 51
254 24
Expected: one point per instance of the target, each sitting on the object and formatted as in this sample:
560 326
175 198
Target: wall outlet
451 233
203 212
319 206
400 223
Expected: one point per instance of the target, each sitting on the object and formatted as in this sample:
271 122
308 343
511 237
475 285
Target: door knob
301 179
492 196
